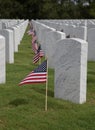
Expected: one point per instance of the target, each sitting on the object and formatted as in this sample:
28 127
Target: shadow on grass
90 80
42 91
18 102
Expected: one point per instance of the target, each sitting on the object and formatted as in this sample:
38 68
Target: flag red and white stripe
35 46
39 75
34 78
34 38
30 32
36 58
39 55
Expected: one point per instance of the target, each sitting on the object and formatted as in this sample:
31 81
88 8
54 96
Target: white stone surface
8 34
22 26
41 33
85 31
18 34
43 37
4 25
79 32
91 44
71 70
15 35
2 60
51 40
0 25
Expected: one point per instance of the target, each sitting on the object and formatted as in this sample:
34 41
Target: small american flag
34 38
35 46
39 75
30 32
34 33
39 55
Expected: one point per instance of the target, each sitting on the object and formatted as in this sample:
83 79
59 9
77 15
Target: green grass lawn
22 107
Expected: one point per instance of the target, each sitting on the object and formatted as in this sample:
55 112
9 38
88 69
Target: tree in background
47 9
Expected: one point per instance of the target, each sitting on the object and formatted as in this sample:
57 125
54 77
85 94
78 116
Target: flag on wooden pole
34 38
34 33
30 32
35 46
39 75
46 88
39 55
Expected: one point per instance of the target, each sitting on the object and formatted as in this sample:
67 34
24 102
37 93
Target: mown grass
22 108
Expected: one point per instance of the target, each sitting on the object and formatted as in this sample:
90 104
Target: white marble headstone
51 40
8 34
15 35
80 32
91 44
71 70
2 60
44 37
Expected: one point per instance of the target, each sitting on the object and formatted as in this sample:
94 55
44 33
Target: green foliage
51 8
92 10
46 9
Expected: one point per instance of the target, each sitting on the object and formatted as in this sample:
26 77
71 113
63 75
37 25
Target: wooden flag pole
46 88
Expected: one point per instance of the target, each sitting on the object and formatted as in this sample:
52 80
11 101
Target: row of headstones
83 29
58 24
68 28
10 38
78 22
4 23
68 57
